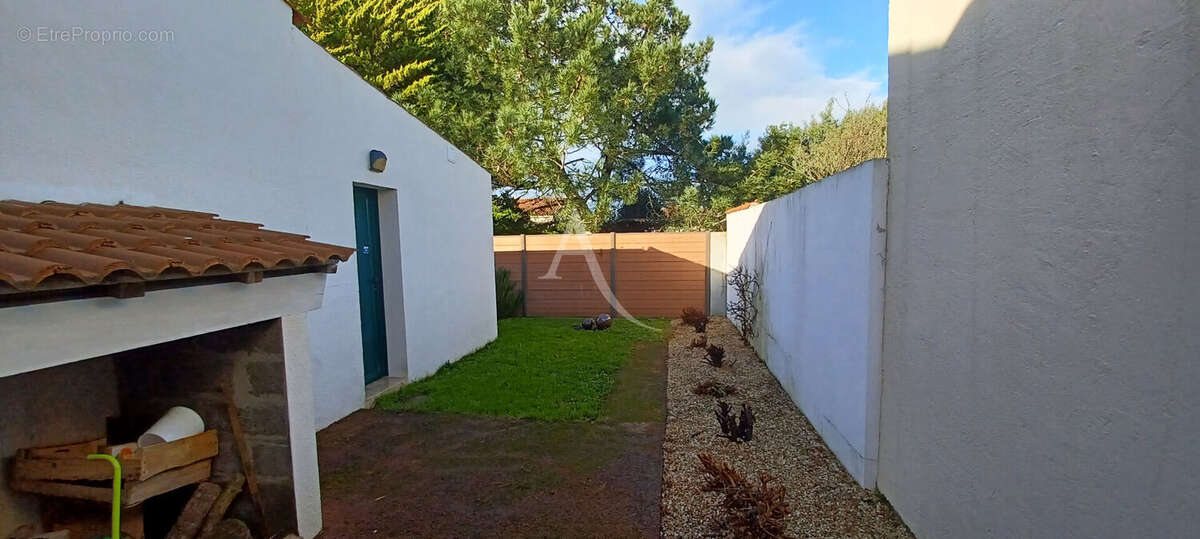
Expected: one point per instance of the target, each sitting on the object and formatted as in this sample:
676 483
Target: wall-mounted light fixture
378 161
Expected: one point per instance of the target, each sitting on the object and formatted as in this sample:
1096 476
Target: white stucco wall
55 333
1042 309
819 255
239 113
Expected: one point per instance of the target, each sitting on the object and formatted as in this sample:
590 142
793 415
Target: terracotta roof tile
117 239
277 234
12 222
196 235
26 242
196 263
24 272
162 238
234 260
99 268
55 245
741 207
540 206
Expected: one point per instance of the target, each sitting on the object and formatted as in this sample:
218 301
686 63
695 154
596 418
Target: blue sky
779 61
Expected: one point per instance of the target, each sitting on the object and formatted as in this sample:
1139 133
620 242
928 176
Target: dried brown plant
714 389
696 318
750 508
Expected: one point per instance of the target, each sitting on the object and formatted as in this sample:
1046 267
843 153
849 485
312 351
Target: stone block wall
247 362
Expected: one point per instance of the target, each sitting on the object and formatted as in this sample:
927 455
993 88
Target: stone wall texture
246 363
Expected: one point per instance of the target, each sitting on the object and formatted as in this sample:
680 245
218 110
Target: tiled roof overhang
118 250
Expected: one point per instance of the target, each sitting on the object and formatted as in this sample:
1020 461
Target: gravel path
825 500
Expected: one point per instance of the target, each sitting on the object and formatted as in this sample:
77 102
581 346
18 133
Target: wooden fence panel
656 273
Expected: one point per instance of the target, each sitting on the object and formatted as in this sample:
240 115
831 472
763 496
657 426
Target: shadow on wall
1040 327
817 253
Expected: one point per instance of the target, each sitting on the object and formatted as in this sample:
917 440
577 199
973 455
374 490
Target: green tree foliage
599 102
791 157
390 43
714 183
788 158
588 100
860 136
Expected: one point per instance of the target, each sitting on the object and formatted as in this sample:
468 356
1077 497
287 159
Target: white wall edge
878 264
306 480
48 334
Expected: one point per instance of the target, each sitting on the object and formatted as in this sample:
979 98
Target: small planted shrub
715 356
713 388
750 508
696 318
737 428
509 298
699 341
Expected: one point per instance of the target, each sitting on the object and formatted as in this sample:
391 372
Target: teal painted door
370 283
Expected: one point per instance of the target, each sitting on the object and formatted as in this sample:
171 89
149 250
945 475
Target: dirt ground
388 474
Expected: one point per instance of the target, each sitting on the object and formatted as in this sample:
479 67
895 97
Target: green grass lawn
537 368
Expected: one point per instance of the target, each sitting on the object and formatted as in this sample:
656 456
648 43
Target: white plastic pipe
179 422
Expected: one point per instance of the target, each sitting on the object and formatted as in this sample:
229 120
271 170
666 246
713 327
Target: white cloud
711 17
762 76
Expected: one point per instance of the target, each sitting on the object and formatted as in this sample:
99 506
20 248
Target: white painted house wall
1042 336
239 113
819 255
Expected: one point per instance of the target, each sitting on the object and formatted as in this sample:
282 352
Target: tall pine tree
390 43
589 100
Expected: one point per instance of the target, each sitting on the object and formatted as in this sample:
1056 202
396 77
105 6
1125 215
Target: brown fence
651 273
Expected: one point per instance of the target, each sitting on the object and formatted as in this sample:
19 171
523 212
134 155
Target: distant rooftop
540 206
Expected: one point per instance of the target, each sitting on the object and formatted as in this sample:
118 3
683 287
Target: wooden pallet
149 471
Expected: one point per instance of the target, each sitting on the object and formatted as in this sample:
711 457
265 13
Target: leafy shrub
509 298
696 318
715 356
714 389
751 509
739 428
